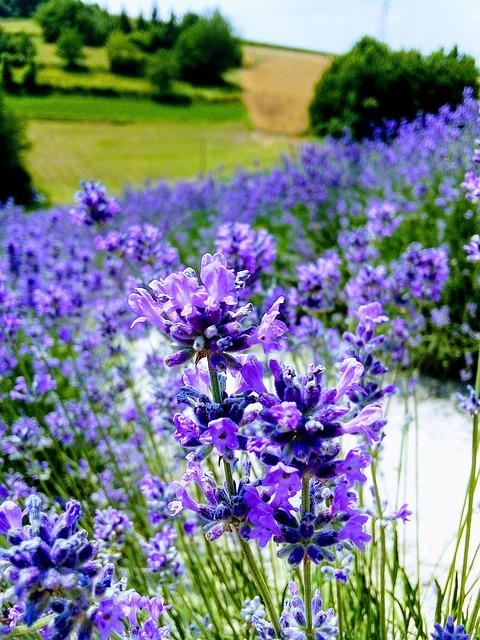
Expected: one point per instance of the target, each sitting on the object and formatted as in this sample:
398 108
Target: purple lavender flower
125 612
449 631
111 526
203 320
161 554
246 249
318 282
94 207
294 621
422 273
472 184
382 219
470 402
46 558
473 249
303 420
402 514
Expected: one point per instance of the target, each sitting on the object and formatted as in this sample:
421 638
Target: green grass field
69 107
130 139
124 141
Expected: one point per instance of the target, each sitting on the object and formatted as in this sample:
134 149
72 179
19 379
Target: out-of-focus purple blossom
357 248
402 514
318 282
131 616
370 284
382 219
246 250
470 402
94 207
111 526
158 495
161 554
422 273
449 631
472 184
473 249
294 620
441 316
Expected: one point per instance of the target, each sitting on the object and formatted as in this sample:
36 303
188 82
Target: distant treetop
18 8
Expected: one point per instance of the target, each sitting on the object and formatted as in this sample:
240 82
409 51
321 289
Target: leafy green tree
18 8
372 84
18 46
207 49
70 48
142 24
124 57
30 77
124 23
162 69
89 19
15 181
8 83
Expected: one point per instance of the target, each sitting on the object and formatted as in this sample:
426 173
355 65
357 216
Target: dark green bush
70 48
15 181
18 8
8 83
206 49
124 22
124 57
90 20
372 84
161 70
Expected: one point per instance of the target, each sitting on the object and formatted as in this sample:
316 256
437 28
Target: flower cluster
293 620
51 570
94 207
449 631
204 319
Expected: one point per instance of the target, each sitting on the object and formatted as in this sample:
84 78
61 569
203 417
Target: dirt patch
278 87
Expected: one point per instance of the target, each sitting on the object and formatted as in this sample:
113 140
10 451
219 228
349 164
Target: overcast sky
335 25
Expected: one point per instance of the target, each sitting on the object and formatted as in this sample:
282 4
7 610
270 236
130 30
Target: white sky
335 25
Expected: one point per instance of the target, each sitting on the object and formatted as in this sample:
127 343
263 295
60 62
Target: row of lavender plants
163 474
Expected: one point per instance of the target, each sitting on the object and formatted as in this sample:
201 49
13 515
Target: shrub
89 19
161 70
125 58
206 49
18 8
124 23
372 84
8 83
70 48
30 78
16 182
19 47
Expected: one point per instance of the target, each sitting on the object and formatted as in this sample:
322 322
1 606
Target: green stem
307 565
23 630
383 556
255 572
261 585
469 515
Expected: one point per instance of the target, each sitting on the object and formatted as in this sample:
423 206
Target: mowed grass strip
129 154
62 107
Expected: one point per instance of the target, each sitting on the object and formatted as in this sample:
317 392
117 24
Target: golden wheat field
278 87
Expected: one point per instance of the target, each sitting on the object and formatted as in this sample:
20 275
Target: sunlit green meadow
125 142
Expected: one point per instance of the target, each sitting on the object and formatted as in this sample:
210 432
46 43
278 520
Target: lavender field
195 390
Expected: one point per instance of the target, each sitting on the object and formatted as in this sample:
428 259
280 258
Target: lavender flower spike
202 317
449 631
